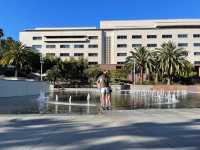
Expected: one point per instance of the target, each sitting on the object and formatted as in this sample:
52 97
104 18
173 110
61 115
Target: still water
122 100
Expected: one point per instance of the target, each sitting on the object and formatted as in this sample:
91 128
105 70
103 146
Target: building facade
66 42
113 41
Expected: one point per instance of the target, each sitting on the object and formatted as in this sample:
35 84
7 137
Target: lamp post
134 71
41 65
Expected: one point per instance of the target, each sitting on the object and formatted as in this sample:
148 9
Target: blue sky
16 15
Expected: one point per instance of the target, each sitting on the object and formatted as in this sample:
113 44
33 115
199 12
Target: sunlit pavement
156 129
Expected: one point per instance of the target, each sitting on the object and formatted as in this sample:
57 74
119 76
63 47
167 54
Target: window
182 44
151 36
136 36
196 53
121 54
64 54
166 36
93 46
78 46
182 35
197 62
136 45
64 37
64 46
120 62
151 45
36 46
121 45
50 54
78 54
93 37
50 46
196 44
121 37
37 38
92 54
196 35
93 63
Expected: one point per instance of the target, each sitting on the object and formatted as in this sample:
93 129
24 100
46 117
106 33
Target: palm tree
1 33
172 60
156 65
143 60
18 55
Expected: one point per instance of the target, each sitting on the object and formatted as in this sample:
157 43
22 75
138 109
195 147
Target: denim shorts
103 90
108 90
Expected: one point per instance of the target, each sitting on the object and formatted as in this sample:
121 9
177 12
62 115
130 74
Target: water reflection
73 102
120 100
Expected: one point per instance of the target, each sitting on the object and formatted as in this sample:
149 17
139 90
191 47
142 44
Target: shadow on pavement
34 133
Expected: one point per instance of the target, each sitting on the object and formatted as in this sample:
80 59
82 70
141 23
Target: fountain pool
77 102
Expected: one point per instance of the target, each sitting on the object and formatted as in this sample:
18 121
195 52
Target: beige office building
113 41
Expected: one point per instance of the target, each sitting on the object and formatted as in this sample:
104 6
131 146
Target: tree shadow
53 132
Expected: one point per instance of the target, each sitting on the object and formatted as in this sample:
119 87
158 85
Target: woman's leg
109 100
103 97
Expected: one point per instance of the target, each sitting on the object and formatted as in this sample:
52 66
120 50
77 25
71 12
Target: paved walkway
138 129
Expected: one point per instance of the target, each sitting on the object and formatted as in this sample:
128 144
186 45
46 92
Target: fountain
70 100
157 97
88 99
42 102
88 103
56 98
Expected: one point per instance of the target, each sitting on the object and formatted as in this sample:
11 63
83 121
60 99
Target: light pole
41 64
134 71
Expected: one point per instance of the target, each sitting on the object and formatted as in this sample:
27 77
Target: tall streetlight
41 65
134 71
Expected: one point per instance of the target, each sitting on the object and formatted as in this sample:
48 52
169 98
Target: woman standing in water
105 89
108 92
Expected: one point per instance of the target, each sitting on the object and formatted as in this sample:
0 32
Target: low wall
189 88
10 88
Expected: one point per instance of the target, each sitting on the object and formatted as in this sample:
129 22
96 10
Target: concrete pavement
156 129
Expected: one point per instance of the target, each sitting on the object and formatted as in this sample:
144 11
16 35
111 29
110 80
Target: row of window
155 45
66 46
135 45
164 36
122 62
75 54
125 54
135 36
96 54
89 37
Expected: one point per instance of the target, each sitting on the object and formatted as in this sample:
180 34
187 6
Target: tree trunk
146 73
141 76
156 78
168 81
132 78
16 72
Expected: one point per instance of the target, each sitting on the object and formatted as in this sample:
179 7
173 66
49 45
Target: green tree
1 33
74 68
49 62
82 64
172 60
18 55
143 59
33 62
53 74
118 75
92 72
